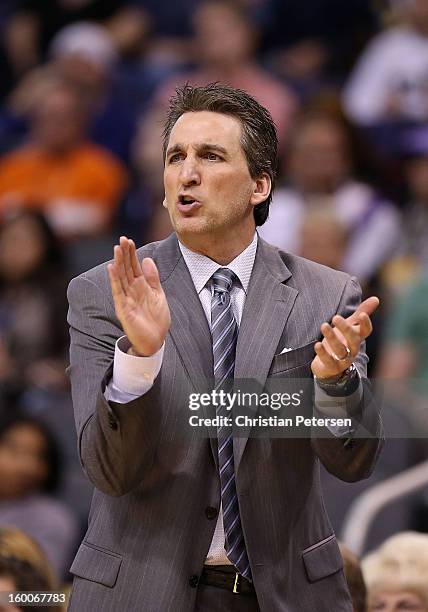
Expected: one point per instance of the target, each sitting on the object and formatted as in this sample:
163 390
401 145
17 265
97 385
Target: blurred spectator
321 176
169 19
85 54
316 44
411 258
354 579
17 575
405 351
396 574
224 47
390 80
33 307
403 370
76 183
143 206
323 237
115 88
415 221
29 473
15 543
31 28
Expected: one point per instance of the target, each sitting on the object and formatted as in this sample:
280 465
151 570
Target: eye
175 157
211 156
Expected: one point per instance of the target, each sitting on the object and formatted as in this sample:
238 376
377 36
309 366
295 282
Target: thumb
368 306
151 273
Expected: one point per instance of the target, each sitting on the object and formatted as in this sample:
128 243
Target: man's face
399 601
206 167
222 35
319 159
59 122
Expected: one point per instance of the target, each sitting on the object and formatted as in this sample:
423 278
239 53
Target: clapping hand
139 299
342 340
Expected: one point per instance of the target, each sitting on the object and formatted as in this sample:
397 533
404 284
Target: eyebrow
201 147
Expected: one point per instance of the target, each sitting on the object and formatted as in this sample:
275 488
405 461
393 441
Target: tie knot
223 280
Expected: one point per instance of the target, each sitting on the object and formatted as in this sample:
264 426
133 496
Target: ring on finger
345 358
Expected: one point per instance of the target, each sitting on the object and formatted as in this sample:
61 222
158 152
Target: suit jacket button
112 424
193 581
211 512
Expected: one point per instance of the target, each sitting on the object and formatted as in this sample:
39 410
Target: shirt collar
202 268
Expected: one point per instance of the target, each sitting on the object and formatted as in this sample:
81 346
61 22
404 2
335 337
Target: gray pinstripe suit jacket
149 532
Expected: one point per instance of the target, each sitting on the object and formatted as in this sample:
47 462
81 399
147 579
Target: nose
189 172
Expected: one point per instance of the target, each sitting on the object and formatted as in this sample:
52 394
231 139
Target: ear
261 189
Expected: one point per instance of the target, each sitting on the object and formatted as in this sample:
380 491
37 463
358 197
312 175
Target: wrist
136 353
132 350
342 384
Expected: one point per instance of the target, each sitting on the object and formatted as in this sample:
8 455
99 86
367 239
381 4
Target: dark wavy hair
259 139
53 258
11 418
25 577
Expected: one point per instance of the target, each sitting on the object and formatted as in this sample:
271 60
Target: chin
192 225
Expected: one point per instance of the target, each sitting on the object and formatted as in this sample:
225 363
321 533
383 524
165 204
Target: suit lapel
189 326
268 305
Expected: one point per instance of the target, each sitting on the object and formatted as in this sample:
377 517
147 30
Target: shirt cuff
339 406
348 406
132 375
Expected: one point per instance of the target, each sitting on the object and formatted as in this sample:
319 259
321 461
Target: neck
221 251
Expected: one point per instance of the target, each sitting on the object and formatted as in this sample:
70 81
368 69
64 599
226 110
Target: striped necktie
224 331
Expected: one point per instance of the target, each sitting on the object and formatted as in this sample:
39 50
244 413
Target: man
191 523
75 183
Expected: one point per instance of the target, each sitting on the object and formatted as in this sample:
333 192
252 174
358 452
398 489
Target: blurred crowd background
83 89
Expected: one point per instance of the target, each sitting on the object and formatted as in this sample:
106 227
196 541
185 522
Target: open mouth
187 204
186 200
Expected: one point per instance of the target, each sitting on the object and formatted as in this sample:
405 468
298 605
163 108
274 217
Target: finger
124 243
339 335
151 273
116 285
327 360
366 326
336 346
120 267
368 306
136 266
352 336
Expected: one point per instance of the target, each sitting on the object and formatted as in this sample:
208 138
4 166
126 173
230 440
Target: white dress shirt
394 64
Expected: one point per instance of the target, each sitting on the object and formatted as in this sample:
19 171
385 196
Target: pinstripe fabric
224 332
148 532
